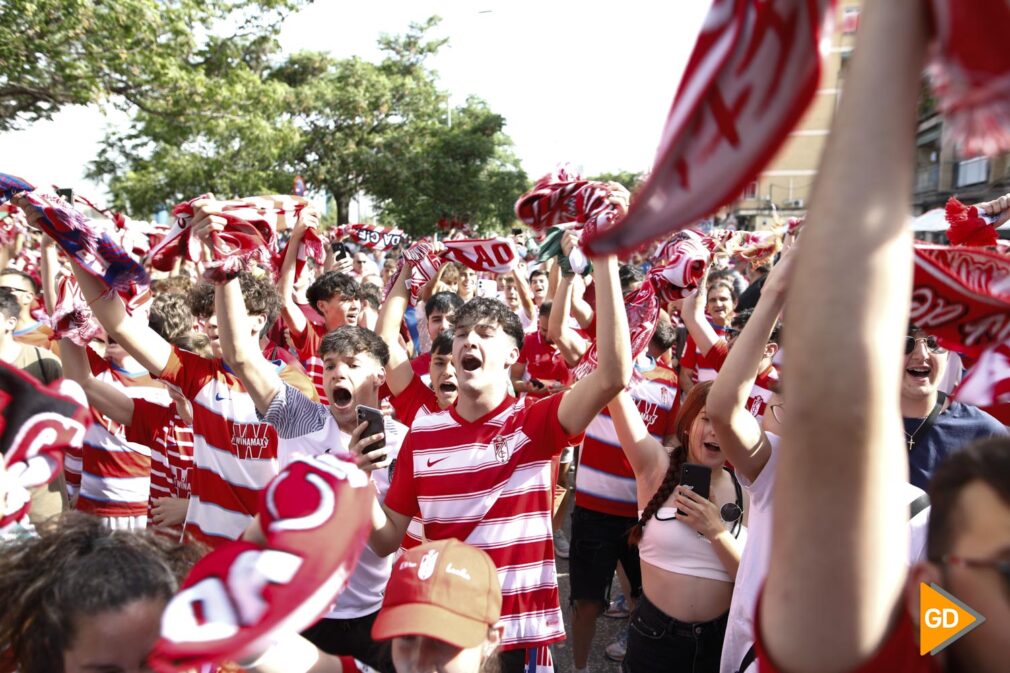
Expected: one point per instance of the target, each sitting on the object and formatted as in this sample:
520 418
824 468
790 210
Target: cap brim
420 619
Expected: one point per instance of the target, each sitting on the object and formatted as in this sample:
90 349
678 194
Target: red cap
445 590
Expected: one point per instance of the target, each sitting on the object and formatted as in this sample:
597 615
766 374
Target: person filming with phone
354 361
690 535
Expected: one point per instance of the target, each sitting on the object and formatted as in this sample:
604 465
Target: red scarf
492 255
316 518
968 226
423 264
970 73
753 73
371 236
563 196
250 234
72 317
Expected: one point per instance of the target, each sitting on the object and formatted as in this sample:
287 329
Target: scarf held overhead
490 255
753 72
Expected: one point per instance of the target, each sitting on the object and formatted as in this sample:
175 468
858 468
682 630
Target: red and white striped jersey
87 465
489 484
307 344
416 401
764 384
171 443
235 454
604 481
115 475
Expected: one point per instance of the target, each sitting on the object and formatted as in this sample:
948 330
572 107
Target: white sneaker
616 650
561 545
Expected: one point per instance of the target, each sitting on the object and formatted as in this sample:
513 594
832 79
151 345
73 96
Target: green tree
629 179
130 53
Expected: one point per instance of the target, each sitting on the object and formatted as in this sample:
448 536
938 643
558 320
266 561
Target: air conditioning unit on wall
795 203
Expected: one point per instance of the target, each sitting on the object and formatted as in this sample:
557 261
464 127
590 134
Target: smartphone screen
696 477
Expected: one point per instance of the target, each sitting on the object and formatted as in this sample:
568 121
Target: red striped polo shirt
115 475
415 401
604 481
764 384
488 483
171 442
235 455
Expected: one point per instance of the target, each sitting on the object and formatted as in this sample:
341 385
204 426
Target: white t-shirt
753 567
296 416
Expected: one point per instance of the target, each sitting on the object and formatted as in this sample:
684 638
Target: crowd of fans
661 402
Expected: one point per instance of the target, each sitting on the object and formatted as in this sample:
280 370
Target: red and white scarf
563 196
249 235
491 255
316 516
970 73
961 295
683 261
371 236
968 226
423 264
753 73
72 317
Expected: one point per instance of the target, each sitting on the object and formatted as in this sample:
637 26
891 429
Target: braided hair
689 410
76 567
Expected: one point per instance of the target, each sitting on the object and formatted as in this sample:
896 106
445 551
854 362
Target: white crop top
674 546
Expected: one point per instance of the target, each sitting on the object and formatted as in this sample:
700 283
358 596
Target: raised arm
293 316
523 290
591 394
135 336
240 347
840 525
109 400
647 457
581 309
570 344
693 314
740 435
398 372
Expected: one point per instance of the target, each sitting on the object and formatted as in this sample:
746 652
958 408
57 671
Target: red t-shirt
764 384
416 400
543 361
422 364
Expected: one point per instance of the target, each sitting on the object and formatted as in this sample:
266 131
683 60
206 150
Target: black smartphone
66 194
516 231
376 425
340 250
696 477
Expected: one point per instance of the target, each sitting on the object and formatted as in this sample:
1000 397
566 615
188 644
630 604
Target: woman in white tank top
689 560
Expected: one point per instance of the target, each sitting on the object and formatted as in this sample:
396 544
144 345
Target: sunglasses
932 345
1001 566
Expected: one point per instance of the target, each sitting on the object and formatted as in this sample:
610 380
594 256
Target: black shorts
598 542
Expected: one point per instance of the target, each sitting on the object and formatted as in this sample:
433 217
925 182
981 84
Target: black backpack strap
919 504
748 659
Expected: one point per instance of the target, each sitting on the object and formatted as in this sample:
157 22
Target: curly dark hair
442 345
260 296
689 410
77 567
482 308
330 284
351 340
171 315
172 285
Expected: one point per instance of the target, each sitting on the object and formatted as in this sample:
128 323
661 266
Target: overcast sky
586 82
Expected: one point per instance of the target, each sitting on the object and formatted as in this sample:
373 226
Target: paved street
606 629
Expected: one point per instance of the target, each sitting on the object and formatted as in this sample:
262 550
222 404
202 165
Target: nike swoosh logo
219 398
436 462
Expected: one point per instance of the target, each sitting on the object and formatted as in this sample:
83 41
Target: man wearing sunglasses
935 426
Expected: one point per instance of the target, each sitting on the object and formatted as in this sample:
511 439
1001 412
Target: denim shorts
658 643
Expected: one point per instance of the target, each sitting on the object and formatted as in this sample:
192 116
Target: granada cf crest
501 450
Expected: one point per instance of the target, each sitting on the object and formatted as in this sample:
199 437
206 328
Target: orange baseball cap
445 590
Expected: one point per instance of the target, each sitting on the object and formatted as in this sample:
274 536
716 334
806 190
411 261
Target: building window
752 190
972 171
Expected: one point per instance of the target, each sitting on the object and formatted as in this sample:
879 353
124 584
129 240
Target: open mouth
448 388
921 373
341 398
470 363
712 447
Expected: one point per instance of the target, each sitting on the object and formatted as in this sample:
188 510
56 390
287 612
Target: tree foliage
629 179
251 121
131 53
